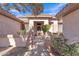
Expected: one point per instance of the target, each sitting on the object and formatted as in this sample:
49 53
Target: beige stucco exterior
11 40
8 26
71 26
30 19
31 22
8 32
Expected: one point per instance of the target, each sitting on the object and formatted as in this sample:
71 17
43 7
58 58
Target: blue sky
53 8
49 8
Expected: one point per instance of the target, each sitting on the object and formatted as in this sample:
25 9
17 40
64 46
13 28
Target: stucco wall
25 19
8 26
54 26
31 22
71 26
11 40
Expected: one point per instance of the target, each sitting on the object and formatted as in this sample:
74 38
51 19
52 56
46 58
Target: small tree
22 32
46 28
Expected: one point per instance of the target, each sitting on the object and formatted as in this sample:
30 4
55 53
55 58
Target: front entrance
38 25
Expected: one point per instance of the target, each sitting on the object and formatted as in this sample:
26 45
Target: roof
41 15
68 9
7 14
50 17
38 16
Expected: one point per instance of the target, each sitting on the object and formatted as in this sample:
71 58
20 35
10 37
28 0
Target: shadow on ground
17 51
55 52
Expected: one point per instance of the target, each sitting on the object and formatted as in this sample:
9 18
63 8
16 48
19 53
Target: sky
53 8
49 8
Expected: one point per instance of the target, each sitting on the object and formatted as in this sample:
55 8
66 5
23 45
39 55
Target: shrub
60 44
74 49
46 28
22 32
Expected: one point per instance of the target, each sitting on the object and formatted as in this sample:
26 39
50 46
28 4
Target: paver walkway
38 48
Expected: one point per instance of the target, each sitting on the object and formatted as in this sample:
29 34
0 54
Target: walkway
38 47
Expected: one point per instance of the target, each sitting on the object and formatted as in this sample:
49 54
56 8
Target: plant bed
55 52
60 45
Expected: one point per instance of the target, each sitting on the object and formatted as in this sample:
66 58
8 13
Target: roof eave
7 14
68 9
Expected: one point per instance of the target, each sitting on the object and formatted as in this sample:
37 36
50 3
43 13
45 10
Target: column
55 26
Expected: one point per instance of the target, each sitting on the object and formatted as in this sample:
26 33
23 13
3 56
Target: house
38 21
9 26
70 17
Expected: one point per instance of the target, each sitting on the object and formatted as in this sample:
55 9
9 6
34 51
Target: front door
38 25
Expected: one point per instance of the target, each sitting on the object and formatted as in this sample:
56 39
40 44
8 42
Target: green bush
74 49
60 44
22 32
46 28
